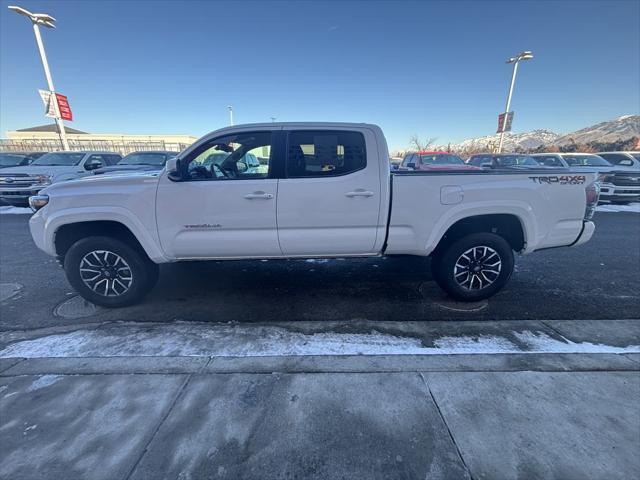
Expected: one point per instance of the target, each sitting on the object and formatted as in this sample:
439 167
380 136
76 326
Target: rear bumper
586 234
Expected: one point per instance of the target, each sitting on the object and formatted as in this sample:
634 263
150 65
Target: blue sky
435 69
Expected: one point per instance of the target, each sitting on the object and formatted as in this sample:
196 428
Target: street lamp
526 55
273 119
48 21
230 107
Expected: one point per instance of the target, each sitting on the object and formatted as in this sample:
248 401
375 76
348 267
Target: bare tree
419 144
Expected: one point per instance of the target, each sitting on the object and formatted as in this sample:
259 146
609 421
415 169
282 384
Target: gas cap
451 194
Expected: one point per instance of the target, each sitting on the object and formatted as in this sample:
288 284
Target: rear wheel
475 267
108 272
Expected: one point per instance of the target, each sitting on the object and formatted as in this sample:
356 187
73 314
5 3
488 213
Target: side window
409 158
241 156
325 153
113 159
94 159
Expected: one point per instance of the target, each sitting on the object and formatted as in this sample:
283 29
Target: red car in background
425 161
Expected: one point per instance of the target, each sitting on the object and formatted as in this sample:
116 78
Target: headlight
44 179
38 201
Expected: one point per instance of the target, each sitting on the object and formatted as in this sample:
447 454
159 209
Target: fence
120 146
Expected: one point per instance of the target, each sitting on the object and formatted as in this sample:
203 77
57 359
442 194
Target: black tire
445 270
135 273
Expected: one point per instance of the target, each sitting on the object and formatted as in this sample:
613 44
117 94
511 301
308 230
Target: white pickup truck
325 190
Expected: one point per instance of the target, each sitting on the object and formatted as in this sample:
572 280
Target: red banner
504 122
64 108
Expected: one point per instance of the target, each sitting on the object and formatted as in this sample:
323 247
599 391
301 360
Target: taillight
593 195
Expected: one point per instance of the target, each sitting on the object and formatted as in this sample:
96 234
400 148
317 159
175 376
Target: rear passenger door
329 198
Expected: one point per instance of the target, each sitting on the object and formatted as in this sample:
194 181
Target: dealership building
47 138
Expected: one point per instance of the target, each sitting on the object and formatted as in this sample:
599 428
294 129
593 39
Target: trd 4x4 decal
560 179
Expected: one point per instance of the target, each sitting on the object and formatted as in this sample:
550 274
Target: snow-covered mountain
512 141
622 128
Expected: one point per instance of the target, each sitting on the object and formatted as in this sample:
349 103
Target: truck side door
221 208
329 199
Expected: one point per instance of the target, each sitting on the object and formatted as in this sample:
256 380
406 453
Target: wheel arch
507 225
68 234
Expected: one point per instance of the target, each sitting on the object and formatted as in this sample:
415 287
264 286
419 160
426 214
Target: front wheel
475 267
108 272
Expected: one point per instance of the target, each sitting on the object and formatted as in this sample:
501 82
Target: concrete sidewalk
321 417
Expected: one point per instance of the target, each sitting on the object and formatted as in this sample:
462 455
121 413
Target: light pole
230 107
48 21
273 119
526 55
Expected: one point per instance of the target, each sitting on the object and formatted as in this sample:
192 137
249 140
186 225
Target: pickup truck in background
17 184
619 182
326 191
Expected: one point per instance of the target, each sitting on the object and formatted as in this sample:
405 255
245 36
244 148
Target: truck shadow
314 289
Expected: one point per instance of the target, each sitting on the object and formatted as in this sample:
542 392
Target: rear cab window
324 153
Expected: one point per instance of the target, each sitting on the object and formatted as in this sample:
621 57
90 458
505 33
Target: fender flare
522 211
124 216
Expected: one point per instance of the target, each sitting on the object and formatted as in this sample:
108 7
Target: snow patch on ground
42 382
7 210
228 340
630 207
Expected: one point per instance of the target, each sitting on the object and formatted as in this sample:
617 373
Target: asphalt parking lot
598 280
325 369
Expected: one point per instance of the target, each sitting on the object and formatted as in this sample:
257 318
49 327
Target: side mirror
174 169
92 165
411 165
242 167
486 164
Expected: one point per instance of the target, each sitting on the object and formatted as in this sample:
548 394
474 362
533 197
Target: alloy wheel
106 273
477 268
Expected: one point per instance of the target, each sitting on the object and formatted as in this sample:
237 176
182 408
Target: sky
434 69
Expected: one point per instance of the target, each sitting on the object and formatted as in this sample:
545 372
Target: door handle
258 195
359 193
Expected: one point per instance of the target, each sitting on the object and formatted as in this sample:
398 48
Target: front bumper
618 193
19 195
37 225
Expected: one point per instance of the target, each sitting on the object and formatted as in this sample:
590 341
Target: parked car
329 193
618 183
18 159
17 184
503 160
138 161
14 160
433 161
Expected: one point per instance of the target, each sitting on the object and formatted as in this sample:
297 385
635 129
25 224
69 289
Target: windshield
440 159
586 161
157 159
511 160
9 160
59 159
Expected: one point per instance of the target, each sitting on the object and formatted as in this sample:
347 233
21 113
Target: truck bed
549 205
